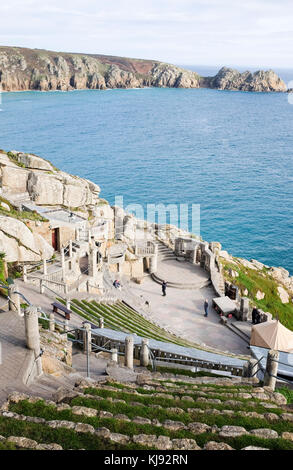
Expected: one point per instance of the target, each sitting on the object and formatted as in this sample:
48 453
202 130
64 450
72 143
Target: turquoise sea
230 152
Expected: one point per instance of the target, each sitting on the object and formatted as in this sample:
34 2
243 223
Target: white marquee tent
272 335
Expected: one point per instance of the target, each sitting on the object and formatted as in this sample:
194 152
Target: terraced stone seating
159 411
121 317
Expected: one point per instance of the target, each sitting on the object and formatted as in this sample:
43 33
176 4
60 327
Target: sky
256 33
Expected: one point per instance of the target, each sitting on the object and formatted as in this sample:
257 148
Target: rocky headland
24 69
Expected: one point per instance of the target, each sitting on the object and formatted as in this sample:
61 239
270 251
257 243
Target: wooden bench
57 306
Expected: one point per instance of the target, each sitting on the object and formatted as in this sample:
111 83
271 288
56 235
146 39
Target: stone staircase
166 261
164 252
153 411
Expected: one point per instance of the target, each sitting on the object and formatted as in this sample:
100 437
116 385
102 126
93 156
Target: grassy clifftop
252 281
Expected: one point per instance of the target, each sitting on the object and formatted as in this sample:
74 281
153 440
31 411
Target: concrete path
14 354
182 312
181 272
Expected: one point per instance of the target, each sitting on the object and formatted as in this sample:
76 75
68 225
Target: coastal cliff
33 69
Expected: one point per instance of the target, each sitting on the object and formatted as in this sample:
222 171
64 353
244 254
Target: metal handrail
204 361
153 358
280 362
258 370
280 379
56 293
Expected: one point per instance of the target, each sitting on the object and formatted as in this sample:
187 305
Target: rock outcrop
19 243
230 79
44 184
31 180
34 69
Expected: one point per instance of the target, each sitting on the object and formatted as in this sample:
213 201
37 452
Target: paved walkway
14 352
181 272
181 311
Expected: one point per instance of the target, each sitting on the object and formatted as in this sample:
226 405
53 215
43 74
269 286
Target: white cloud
256 33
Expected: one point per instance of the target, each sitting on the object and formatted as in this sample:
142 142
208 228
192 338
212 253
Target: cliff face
33 69
29 178
230 79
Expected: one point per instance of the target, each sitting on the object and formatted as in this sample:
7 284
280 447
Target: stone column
129 352
52 322
14 302
154 261
68 304
114 355
70 249
42 289
45 271
66 325
24 273
92 260
32 334
244 308
101 322
271 369
63 264
87 339
144 352
178 245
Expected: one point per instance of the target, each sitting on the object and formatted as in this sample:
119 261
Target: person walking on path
206 307
164 286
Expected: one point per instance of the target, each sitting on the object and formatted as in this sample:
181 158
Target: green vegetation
13 158
148 399
7 446
288 393
2 268
3 292
20 215
138 405
255 280
123 318
67 438
188 373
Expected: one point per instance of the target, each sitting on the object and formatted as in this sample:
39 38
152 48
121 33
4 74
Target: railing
260 369
277 376
203 364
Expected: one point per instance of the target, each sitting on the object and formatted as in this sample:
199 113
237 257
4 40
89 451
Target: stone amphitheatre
87 364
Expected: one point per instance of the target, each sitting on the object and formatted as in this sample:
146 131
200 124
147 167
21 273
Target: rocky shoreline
24 69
